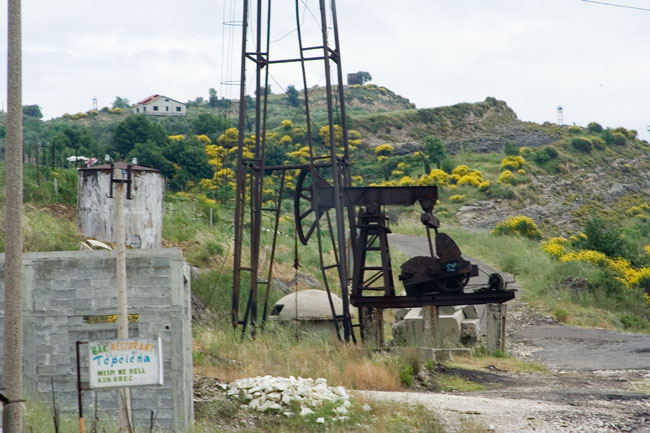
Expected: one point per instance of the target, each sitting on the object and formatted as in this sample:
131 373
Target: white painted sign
132 362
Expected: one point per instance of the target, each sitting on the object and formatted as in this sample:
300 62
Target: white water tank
142 214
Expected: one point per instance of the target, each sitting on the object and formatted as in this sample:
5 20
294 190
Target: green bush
595 127
574 129
518 226
544 155
406 375
582 144
510 149
619 138
598 143
601 236
561 314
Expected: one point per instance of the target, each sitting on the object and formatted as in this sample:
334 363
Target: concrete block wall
61 290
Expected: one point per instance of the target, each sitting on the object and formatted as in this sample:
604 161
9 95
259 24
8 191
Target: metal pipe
336 175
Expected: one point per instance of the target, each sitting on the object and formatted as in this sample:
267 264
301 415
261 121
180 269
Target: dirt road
598 380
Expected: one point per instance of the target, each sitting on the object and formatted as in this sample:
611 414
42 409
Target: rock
575 284
305 411
278 393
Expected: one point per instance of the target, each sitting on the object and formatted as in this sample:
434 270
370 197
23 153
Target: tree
121 103
209 124
264 90
213 100
363 77
436 150
292 94
32 111
75 137
510 149
136 129
609 240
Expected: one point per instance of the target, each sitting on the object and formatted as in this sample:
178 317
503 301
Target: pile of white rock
276 394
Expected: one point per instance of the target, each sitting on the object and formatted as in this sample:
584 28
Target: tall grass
220 352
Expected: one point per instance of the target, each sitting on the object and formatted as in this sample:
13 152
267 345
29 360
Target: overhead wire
617 5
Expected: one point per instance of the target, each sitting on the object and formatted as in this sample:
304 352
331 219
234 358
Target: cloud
535 55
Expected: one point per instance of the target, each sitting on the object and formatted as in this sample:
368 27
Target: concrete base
458 324
425 354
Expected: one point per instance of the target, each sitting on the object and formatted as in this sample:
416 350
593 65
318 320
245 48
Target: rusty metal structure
348 221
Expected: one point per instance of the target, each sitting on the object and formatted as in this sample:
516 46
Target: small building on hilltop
159 105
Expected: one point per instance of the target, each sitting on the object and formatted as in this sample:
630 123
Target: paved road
559 346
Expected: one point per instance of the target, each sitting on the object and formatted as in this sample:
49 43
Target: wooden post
496 328
430 326
373 327
122 307
12 368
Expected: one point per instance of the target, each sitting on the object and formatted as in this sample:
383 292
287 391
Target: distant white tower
95 103
560 115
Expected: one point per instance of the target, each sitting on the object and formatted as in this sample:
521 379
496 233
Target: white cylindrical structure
142 214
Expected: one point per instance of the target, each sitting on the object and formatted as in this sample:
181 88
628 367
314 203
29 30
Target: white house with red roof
159 105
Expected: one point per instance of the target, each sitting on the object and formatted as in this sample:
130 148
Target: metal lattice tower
251 171
560 115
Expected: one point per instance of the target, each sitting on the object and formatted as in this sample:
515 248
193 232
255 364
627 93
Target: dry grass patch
220 353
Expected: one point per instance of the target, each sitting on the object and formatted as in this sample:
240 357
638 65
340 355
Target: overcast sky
535 54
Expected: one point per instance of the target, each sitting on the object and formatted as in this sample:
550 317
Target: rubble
278 394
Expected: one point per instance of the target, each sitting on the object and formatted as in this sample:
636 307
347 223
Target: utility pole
119 176
12 374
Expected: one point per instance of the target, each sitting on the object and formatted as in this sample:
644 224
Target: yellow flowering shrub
483 186
382 158
301 154
521 171
506 177
473 178
647 249
325 134
578 237
518 226
590 256
115 110
383 150
178 137
460 170
628 275
457 198
406 181
435 177
523 151
229 138
286 124
634 211
512 162
555 247
286 140
203 139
